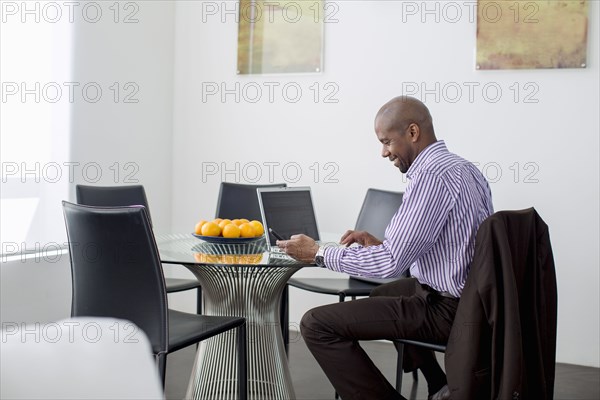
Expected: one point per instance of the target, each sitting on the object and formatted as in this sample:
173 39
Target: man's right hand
363 238
300 247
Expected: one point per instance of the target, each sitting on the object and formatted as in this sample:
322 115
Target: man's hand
361 237
300 247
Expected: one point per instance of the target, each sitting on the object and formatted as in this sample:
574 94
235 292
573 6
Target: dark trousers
401 309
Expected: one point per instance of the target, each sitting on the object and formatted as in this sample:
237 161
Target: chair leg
284 318
198 306
242 363
199 301
400 350
161 360
416 375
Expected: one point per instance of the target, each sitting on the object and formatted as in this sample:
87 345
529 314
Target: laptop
288 211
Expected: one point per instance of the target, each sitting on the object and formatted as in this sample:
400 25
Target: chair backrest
377 211
505 323
116 270
237 200
112 196
378 208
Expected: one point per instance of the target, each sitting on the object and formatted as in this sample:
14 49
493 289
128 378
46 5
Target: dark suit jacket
503 340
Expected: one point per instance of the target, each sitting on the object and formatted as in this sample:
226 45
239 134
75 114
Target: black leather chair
238 200
503 340
114 196
378 208
117 273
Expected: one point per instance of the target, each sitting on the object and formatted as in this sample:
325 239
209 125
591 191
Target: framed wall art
532 34
280 37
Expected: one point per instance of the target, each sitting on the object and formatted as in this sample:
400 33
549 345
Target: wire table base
253 292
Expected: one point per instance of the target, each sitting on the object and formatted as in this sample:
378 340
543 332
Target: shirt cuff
333 258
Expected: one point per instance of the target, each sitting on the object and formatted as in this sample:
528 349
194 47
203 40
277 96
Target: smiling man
404 127
432 236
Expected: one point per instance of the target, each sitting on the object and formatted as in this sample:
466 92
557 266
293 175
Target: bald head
404 128
397 114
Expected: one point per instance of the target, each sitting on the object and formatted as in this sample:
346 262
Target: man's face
397 146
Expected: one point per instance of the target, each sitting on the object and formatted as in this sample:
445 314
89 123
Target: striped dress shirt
433 232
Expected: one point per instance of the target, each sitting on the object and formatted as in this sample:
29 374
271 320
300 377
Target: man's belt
446 294
443 294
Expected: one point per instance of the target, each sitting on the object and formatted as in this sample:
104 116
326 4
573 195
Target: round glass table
238 279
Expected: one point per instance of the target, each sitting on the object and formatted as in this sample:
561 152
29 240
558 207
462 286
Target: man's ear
414 131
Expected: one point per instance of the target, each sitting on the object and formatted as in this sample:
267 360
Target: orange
217 220
238 222
223 223
231 231
246 230
244 220
258 228
198 228
211 229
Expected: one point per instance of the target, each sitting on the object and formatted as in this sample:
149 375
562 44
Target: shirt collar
424 157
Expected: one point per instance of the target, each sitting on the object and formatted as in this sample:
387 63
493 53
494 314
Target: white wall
371 55
127 134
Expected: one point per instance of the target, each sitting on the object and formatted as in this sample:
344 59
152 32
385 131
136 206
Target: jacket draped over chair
503 341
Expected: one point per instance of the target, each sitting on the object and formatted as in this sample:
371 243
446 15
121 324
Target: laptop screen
288 211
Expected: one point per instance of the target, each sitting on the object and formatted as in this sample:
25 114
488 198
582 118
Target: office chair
111 196
238 200
378 208
116 272
503 339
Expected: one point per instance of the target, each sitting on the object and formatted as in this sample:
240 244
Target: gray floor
572 382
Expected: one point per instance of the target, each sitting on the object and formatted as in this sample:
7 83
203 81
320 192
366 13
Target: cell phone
277 235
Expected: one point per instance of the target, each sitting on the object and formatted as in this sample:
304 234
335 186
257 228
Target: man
432 235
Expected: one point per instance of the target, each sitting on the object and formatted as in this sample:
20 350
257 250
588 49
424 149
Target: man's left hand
361 237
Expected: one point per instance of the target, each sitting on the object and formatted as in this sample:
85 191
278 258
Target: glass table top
187 249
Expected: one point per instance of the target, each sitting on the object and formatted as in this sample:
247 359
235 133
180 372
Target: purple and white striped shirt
433 232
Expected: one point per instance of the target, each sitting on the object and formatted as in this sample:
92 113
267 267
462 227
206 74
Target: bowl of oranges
239 230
